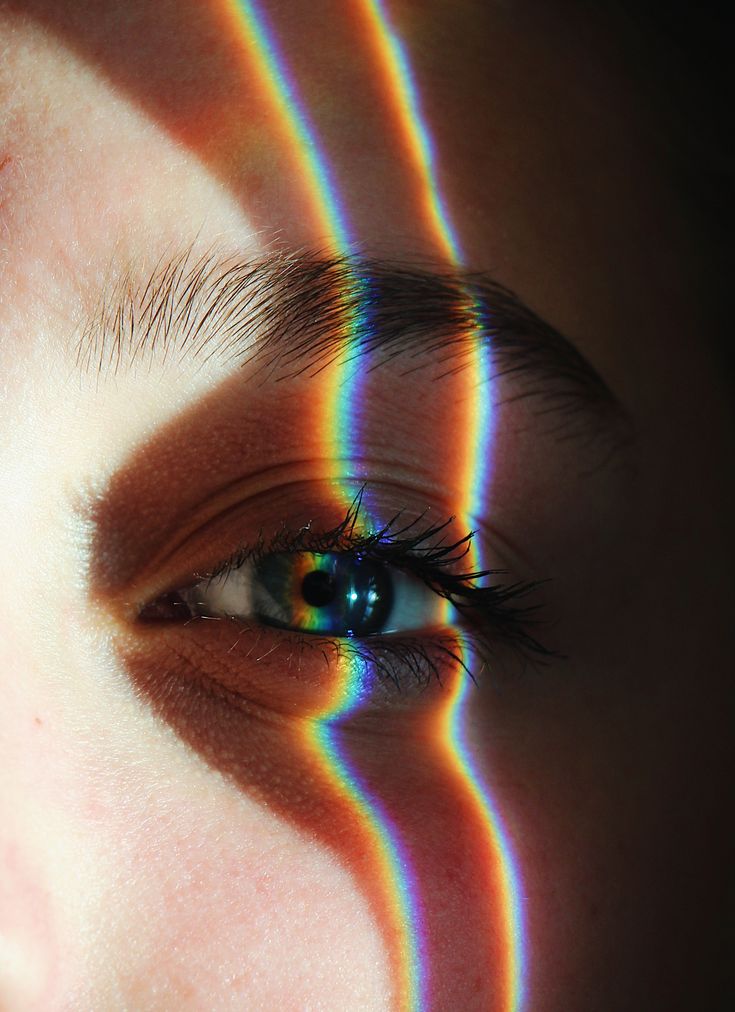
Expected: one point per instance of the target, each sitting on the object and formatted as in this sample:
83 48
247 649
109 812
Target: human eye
398 596
342 594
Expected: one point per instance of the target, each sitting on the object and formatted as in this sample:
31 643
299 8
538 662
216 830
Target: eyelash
493 612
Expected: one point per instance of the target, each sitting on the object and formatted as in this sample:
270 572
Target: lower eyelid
293 675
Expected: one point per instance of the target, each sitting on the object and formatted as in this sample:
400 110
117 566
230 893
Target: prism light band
478 438
391 859
341 431
476 480
395 66
249 24
342 381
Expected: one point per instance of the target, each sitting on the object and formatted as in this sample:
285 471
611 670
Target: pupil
318 588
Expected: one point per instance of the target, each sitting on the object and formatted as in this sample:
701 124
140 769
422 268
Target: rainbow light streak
479 429
353 688
475 480
393 58
250 24
340 444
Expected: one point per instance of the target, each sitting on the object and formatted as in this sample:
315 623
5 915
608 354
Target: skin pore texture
160 852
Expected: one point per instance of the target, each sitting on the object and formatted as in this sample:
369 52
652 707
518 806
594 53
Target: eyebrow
291 314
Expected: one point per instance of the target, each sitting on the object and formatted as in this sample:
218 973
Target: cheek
223 904
401 845
30 957
132 874
32 960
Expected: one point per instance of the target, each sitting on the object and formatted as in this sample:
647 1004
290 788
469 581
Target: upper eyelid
453 584
347 537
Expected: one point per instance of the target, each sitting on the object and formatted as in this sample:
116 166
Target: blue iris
332 593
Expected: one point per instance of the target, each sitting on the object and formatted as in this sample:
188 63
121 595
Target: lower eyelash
401 663
423 660
393 660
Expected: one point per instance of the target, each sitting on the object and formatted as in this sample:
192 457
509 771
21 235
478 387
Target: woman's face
237 322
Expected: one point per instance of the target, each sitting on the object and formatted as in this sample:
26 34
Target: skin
145 865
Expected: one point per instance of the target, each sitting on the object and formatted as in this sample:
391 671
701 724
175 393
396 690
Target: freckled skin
150 856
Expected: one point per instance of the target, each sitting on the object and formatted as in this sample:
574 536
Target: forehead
147 125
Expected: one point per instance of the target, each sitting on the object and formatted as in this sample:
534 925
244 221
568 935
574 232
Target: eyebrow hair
291 314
